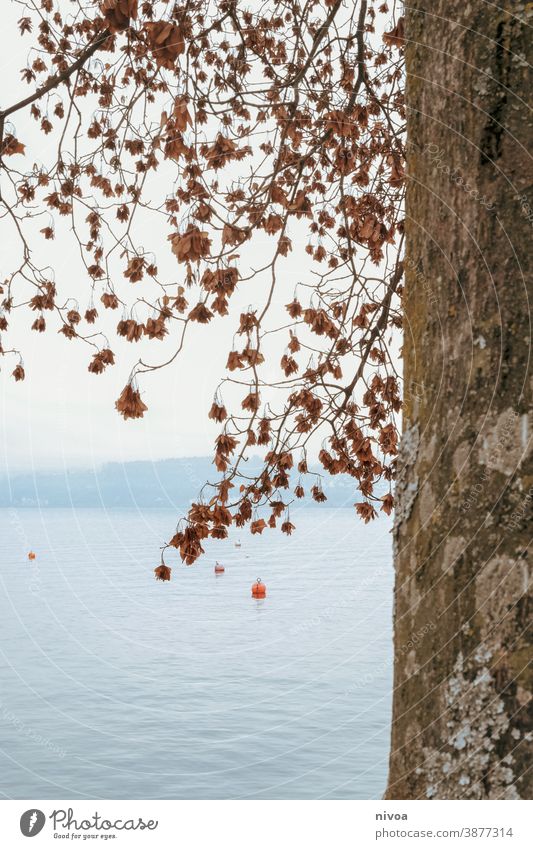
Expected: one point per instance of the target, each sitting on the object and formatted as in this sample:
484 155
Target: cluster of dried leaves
277 119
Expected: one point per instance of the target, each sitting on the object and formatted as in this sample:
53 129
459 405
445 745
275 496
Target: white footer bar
267 824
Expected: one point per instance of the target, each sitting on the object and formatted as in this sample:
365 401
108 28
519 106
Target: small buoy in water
162 572
219 568
259 590
238 544
31 555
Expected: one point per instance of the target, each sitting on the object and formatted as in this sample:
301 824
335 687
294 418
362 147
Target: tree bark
462 706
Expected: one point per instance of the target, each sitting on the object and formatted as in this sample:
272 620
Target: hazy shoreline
142 483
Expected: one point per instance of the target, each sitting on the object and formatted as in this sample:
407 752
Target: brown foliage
118 13
18 372
129 403
191 245
279 133
162 572
166 42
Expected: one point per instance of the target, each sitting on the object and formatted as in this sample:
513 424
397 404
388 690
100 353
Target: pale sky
62 416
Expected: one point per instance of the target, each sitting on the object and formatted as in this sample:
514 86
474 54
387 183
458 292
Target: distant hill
165 483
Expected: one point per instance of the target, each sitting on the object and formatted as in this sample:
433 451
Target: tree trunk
462 687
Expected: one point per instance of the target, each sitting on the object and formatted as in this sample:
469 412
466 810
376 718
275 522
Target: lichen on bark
462 706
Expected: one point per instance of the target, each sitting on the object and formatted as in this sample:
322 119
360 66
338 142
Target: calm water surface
113 685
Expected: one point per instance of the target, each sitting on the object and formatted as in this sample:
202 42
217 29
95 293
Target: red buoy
219 568
31 555
259 590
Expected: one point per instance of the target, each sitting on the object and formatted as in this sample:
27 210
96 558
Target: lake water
113 685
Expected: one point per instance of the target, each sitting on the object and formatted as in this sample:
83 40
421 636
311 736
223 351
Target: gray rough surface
462 712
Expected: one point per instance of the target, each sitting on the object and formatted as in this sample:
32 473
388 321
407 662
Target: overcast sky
62 416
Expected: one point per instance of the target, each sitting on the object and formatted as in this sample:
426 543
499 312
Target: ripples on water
113 685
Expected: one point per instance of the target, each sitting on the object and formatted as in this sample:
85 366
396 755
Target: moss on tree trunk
462 686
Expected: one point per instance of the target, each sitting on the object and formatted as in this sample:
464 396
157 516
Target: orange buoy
259 590
219 568
31 555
